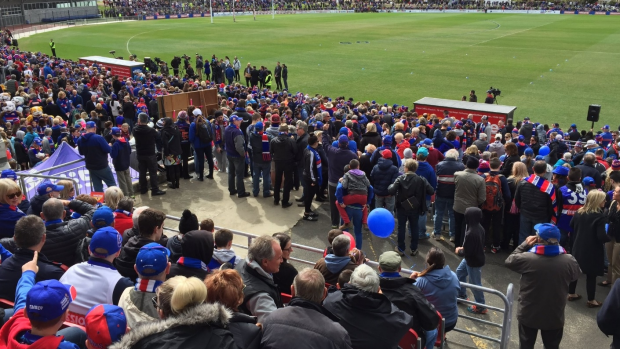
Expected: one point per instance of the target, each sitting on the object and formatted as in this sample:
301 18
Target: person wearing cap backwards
97 280
546 272
45 190
235 151
95 150
145 137
121 153
35 153
105 325
40 310
152 266
404 294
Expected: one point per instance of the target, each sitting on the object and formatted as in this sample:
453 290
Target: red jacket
18 324
122 221
400 148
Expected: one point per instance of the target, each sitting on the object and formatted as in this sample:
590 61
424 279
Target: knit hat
343 140
105 324
615 165
422 151
386 154
472 163
483 167
408 153
188 222
258 126
182 114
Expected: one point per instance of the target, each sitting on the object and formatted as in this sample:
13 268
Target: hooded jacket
337 158
331 266
363 313
355 182
138 306
171 141
197 244
383 174
441 288
120 154
473 244
95 150
201 326
176 251
36 204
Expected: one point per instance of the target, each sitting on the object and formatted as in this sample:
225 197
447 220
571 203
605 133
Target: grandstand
22 13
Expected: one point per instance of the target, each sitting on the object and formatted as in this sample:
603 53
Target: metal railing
37 174
504 339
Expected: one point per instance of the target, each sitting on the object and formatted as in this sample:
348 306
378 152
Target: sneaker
495 249
476 310
438 237
425 236
452 239
397 250
413 253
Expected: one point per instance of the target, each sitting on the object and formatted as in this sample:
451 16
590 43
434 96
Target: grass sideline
550 66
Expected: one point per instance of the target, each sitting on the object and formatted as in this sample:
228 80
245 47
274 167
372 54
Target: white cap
197 112
590 142
558 137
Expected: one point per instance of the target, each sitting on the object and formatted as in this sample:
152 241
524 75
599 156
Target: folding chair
441 329
410 341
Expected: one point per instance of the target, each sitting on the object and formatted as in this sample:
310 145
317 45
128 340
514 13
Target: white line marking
520 31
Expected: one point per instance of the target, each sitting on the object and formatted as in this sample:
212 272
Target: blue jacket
193 136
441 287
95 150
341 192
383 174
120 154
8 217
426 170
183 127
230 73
445 177
232 137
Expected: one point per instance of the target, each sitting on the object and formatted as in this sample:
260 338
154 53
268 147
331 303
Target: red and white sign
120 67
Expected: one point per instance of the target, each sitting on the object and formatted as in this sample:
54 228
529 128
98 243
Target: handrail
22 175
59 166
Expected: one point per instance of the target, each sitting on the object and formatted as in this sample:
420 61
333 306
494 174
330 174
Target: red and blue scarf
546 187
548 250
192 263
265 146
145 285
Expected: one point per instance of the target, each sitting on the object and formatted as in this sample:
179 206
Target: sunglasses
14 195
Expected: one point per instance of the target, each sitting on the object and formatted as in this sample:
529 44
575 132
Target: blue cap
48 300
344 131
521 137
319 125
606 127
103 217
503 157
47 187
259 126
37 141
387 140
561 170
427 141
152 259
573 126
105 325
9 174
540 157
105 242
588 181
116 131
343 140
234 118
422 151
547 231
91 124
528 151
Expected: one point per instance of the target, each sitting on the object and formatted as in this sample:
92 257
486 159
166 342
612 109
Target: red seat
410 340
286 298
440 331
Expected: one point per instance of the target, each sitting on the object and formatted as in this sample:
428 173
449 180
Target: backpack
494 199
204 134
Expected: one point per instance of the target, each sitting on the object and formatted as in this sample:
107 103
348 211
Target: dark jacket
256 141
445 171
369 138
337 158
11 271
301 143
590 171
473 243
285 276
200 326
608 317
589 244
255 284
36 204
95 150
310 169
303 325
245 332
171 141
125 262
331 266
283 149
121 152
507 166
197 244
8 219
361 313
62 239
145 137
383 174
234 141
404 294
533 203
408 185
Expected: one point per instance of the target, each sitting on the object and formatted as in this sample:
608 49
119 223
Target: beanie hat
188 222
408 153
472 163
386 154
483 167
615 165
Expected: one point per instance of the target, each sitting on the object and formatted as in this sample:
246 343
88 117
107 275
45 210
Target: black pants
174 174
278 83
492 223
186 152
175 71
459 229
590 286
309 191
333 210
199 160
511 230
285 168
147 163
53 52
236 75
247 82
551 338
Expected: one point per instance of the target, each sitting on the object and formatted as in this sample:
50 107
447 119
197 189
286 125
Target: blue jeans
404 217
264 169
98 177
355 215
386 201
431 338
527 227
475 278
441 206
236 169
422 222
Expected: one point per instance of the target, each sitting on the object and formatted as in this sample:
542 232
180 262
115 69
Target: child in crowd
331 235
473 251
105 325
207 225
123 218
120 153
356 185
223 252
187 223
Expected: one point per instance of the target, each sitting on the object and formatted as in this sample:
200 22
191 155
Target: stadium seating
411 340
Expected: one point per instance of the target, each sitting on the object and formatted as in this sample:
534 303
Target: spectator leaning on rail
95 150
261 295
304 318
369 317
546 272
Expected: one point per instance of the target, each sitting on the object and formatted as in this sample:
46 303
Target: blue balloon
381 222
544 150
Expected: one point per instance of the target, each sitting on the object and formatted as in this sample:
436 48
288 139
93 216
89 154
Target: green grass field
550 66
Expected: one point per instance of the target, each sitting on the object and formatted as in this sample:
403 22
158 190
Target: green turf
408 56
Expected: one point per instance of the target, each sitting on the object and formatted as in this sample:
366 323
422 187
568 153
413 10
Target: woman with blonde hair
186 320
588 225
471 151
68 192
112 196
10 198
226 287
512 216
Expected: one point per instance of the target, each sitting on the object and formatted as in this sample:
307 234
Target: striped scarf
146 285
546 187
192 263
548 250
265 144
317 161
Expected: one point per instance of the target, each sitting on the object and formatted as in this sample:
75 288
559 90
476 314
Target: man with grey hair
546 272
497 146
261 294
588 169
482 142
444 196
63 237
369 317
145 137
304 317
335 263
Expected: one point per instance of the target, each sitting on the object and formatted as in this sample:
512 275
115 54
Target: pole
233 8
211 10
254 9
273 11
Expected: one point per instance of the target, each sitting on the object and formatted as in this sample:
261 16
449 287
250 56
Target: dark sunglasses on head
14 195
